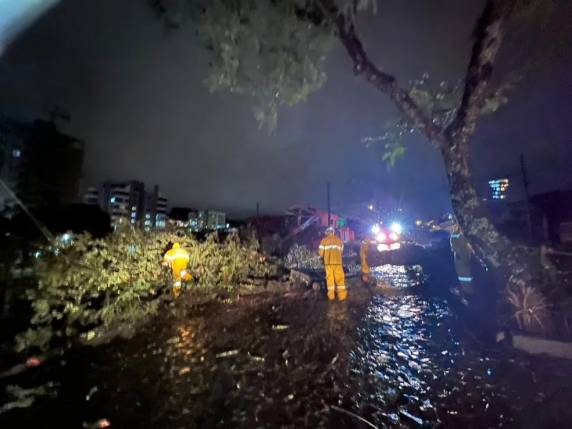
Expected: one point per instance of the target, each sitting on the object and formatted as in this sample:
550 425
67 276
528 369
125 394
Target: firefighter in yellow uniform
331 249
178 259
365 270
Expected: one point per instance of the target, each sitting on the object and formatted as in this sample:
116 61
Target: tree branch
382 81
488 39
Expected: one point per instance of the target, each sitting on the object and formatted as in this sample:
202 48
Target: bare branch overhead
488 39
384 82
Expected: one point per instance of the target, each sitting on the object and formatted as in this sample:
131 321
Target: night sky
136 96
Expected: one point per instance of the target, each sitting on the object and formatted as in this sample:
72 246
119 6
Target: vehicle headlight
396 227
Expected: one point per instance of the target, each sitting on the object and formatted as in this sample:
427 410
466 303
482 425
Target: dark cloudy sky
136 97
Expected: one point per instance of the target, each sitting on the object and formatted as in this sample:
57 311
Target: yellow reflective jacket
363 249
331 249
178 259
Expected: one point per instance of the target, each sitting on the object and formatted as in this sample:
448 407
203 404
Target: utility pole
525 182
329 207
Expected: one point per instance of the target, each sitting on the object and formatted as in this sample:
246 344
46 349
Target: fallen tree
94 287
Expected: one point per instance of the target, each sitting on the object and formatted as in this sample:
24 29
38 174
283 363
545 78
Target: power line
46 233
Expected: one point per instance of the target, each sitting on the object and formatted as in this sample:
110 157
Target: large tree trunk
517 267
472 215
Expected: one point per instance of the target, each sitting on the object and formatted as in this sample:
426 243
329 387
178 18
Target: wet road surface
397 358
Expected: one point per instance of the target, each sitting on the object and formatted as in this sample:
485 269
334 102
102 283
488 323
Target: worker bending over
331 249
178 259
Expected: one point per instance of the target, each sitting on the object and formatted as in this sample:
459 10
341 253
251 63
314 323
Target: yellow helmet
176 246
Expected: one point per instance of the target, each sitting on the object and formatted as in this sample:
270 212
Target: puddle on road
398 276
413 366
409 367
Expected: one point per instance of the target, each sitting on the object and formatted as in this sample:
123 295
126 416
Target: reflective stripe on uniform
331 246
465 279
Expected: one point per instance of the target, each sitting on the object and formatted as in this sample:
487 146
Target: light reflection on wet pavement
405 361
397 359
398 276
412 366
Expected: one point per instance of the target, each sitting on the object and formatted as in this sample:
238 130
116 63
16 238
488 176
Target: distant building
155 210
178 217
91 197
40 164
499 188
130 203
180 214
13 136
215 219
299 218
196 221
210 220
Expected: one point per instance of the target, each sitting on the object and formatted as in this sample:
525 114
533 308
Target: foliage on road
96 286
24 398
300 257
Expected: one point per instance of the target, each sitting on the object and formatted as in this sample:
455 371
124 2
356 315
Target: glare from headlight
396 227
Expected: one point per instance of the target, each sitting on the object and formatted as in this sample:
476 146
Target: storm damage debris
24 398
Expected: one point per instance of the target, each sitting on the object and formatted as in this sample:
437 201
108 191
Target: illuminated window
16 153
499 188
